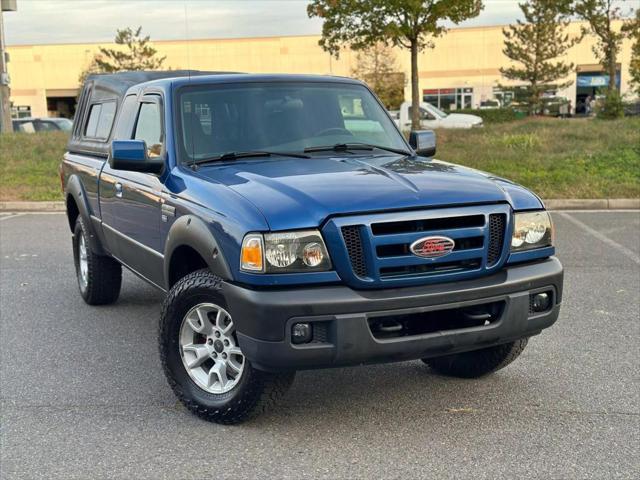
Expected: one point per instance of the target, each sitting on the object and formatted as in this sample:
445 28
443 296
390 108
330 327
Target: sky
88 21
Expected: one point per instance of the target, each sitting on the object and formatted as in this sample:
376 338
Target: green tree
135 53
536 46
410 24
601 16
632 29
377 67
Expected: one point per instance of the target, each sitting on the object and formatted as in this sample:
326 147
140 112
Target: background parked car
490 104
433 117
32 125
555 106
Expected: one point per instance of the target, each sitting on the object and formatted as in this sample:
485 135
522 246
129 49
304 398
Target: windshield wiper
345 147
247 154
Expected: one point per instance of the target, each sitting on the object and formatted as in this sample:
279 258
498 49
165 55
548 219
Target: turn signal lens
252 253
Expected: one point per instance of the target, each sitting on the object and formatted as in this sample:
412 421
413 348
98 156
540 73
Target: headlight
284 252
532 230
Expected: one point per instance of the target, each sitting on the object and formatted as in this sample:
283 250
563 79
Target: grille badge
432 247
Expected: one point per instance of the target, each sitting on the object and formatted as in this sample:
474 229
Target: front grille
441 267
425 225
497 223
353 242
378 246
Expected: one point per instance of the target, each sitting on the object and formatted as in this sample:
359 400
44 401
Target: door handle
118 189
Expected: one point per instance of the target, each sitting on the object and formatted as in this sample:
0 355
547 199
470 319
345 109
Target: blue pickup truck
292 227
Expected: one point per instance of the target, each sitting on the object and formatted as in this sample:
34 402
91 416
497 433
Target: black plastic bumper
264 318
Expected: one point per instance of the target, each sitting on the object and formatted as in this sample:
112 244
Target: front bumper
264 318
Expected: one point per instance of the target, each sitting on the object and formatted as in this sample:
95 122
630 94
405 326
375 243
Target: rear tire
202 360
99 277
477 363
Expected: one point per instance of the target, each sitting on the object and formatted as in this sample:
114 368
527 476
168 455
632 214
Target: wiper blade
247 154
345 147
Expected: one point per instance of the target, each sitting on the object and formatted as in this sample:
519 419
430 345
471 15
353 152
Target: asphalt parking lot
83 394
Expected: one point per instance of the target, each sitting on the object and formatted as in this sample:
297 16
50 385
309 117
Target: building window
20 111
449 98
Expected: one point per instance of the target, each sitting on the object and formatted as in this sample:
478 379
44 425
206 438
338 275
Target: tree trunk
612 67
415 87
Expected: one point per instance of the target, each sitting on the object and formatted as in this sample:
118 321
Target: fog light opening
540 302
301 333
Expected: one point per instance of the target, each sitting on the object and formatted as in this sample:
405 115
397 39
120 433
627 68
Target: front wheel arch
188 235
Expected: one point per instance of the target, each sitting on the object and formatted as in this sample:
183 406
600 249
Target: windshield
282 117
437 111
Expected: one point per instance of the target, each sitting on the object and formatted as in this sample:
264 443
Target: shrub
496 115
611 107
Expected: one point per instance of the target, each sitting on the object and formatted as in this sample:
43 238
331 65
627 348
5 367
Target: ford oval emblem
432 247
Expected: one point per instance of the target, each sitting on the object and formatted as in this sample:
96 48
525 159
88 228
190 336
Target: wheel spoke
199 322
234 351
198 354
234 366
218 373
220 322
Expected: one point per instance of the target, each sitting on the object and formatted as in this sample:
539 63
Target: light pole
5 104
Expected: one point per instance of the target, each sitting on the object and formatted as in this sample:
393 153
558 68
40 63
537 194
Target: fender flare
191 231
75 190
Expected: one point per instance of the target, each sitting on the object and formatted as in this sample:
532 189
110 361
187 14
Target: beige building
461 71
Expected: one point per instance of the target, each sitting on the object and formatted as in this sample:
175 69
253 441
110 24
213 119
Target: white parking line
11 215
6 215
600 236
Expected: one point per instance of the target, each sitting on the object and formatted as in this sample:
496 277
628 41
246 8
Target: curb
593 204
551 204
32 206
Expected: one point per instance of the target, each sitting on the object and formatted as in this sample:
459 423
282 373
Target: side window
45 126
105 123
100 120
424 114
126 118
26 127
92 123
149 128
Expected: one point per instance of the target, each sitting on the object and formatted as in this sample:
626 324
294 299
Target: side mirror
132 155
423 142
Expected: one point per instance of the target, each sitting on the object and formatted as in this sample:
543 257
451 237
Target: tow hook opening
420 323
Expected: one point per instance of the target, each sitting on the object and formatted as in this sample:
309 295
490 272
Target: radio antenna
182 107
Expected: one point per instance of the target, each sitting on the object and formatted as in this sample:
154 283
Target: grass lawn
29 165
575 158
578 158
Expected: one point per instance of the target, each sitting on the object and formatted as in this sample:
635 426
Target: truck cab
292 226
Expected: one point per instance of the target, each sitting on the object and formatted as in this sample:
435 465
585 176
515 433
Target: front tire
99 277
202 360
477 363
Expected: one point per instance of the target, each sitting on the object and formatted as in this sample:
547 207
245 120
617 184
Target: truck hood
302 193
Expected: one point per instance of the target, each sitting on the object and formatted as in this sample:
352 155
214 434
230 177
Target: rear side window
101 116
149 128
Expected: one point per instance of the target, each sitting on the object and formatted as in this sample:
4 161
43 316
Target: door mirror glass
132 155
423 142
